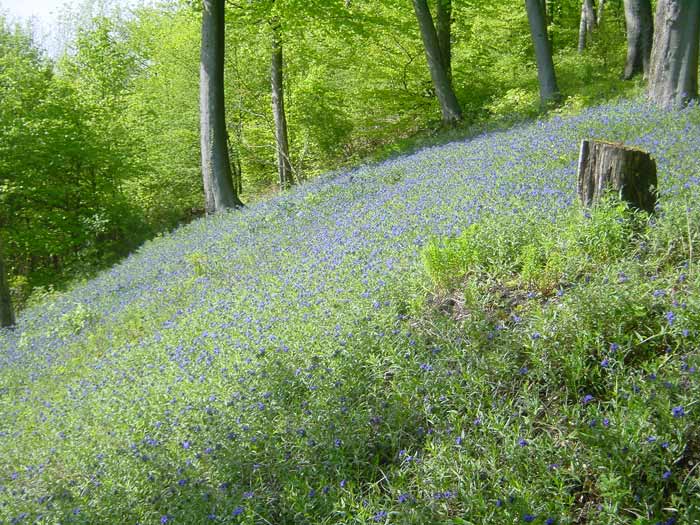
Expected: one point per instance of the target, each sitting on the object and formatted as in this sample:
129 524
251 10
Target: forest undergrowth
443 337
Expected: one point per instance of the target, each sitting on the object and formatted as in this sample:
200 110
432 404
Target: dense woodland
100 147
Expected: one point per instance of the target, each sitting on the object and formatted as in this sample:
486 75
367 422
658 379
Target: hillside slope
271 365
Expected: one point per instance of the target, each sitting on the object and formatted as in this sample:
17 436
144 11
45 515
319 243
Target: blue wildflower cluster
284 361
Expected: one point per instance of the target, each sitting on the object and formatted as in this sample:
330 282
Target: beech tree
549 90
7 316
219 192
640 36
451 111
673 76
443 28
284 166
587 24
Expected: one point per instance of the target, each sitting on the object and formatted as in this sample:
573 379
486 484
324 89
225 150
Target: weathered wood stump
604 166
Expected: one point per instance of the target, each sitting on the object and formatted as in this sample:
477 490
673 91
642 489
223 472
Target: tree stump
604 166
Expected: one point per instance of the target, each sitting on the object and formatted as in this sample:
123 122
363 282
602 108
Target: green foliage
543 257
284 363
449 262
62 171
581 330
112 125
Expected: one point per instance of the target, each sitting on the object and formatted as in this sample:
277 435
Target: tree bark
673 75
284 167
587 25
451 111
640 36
630 172
545 18
443 28
549 91
7 315
600 12
219 192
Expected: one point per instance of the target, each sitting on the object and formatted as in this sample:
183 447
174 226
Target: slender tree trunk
673 76
549 91
443 27
284 167
7 315
640 36
587 24
216 167
451 112
600 13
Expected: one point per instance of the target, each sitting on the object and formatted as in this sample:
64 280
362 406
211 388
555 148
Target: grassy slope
282 365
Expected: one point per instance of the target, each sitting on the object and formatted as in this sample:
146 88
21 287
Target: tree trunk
601 11
603 166
545 18
284 167
7 315
216 167
640 35
587 24
549 91
673 74
443 28
451 112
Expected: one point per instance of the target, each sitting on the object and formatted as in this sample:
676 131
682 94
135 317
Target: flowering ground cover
439 338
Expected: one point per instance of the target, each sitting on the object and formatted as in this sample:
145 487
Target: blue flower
379 516
528 518
238 511
678 411
666 474
404 498
587 399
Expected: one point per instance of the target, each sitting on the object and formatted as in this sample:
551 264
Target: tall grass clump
441 338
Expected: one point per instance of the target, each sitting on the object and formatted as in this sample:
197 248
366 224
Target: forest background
99 146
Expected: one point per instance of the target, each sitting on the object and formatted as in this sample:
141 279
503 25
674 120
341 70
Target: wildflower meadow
443 337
